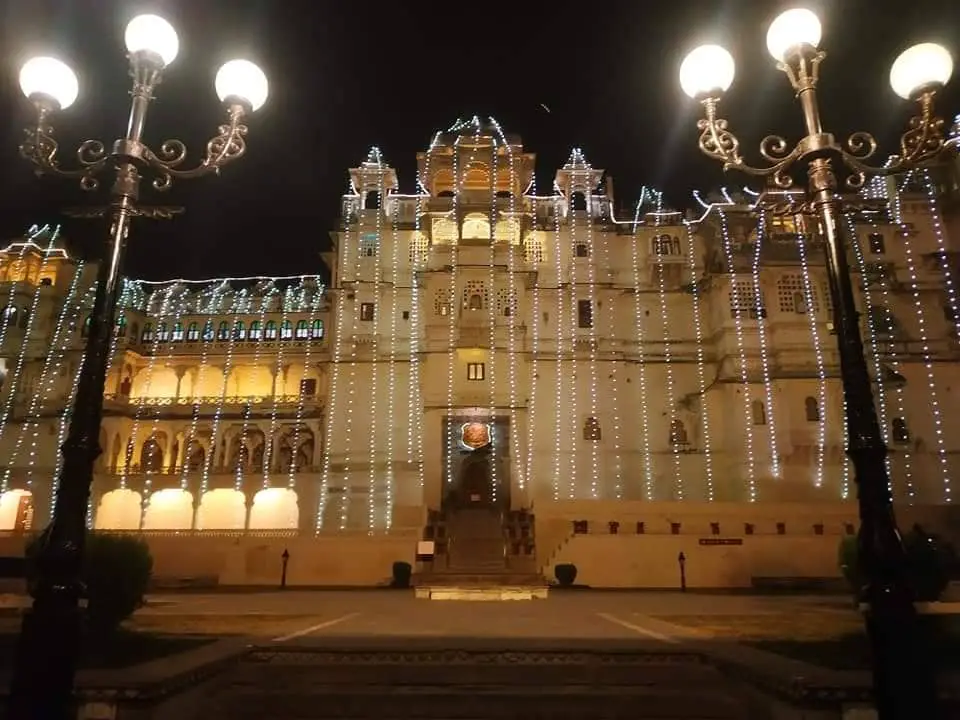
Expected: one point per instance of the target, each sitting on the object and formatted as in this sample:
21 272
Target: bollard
283 573
682 560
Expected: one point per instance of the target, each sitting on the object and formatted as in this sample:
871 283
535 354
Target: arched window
146 336
256 330
578 202
177 334
303 330
759 412
162 334
678 433
901 433
317 331
122 326
812 409
239 330
208 330
371 200
270 332
475 302
223 330
286 330
581 250
193 332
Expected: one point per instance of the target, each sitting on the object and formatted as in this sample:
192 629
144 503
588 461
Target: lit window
317 331
239 331
256 330
177 334
162 333
147 335
193 332
476 371
286 330
208 330
303 330
223 331
270 332
585 313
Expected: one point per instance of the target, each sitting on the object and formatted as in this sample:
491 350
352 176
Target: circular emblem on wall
474 435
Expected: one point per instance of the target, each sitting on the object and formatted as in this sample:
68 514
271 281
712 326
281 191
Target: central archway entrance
473 484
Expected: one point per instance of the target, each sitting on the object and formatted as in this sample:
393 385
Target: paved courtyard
573 615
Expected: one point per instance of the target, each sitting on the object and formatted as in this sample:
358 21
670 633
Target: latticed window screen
506 302
793 296
441 302
369 244
533 250
745 301
475 295
419 250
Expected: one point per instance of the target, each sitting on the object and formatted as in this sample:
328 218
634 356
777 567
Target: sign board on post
425 550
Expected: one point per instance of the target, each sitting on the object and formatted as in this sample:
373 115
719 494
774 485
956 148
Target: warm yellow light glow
170 509
923 65
709 69
275 509
119 510
222 509
791 29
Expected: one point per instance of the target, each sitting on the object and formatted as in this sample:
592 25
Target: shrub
401 574
566 574
929 562
115 574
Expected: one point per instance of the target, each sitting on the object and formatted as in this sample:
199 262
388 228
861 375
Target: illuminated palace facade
538 349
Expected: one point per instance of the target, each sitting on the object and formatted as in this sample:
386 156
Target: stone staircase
477 555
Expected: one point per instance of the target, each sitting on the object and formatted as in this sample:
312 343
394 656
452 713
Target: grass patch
125 649
255 624
832 640
801 625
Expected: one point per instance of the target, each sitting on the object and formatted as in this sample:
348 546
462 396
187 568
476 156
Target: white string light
48 376
562 428
649 486
877 355
667 349
812 312
765 360
513 245
737 306
6 321
692 250
333 406
374 160
491 296
906 232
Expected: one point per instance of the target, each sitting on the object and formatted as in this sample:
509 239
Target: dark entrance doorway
472 486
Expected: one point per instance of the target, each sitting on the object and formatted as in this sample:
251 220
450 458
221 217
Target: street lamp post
50 636
903 680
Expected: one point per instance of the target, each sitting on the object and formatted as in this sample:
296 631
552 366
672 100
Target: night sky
348 75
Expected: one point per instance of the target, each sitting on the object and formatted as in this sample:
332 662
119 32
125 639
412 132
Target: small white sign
425 547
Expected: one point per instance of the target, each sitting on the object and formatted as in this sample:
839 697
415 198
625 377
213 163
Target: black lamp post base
45 655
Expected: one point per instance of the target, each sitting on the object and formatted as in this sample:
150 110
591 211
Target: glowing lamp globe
152 34
706 70
51 78
922 66
244 80
791 29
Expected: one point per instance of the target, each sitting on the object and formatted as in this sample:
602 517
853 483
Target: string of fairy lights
581 349
926 352
812 308
649 481
663 244
698 325
737 306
